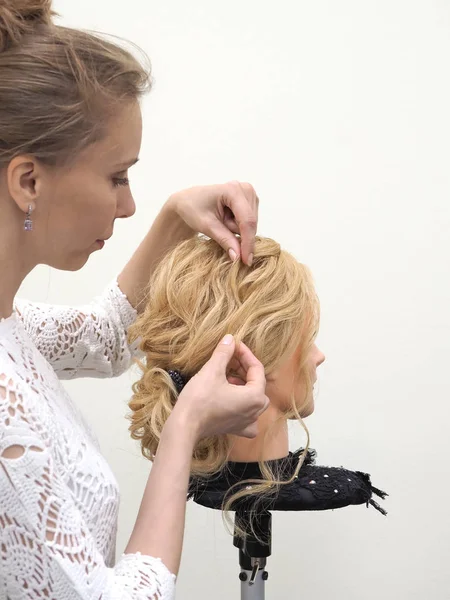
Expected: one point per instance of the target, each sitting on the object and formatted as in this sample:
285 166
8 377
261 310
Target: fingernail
232 254
250 260
227 339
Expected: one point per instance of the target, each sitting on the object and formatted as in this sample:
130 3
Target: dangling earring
28 225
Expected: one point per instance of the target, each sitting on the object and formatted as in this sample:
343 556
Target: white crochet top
59 499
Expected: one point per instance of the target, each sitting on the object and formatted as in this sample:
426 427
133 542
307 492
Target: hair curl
196 296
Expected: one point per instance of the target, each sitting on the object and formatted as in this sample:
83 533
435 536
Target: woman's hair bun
19 17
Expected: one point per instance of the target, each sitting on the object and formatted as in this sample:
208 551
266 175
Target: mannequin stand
253 554
315 488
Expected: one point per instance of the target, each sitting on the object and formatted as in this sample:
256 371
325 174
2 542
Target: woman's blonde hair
196 296
59 87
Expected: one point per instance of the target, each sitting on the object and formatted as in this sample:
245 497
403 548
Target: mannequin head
195 297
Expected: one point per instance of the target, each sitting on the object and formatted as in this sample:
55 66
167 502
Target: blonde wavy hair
196 296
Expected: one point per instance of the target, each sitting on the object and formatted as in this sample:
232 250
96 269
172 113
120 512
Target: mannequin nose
320 357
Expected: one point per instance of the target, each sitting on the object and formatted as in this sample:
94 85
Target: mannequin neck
271 442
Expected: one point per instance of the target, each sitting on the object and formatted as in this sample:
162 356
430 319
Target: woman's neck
13 262
271 442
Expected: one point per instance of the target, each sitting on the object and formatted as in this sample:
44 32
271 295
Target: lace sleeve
46 548
88 341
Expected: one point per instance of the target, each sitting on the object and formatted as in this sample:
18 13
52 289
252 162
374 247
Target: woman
70 128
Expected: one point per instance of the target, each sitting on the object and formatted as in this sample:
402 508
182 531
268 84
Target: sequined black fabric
316 488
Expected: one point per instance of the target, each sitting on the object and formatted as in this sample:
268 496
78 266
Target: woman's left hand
220 212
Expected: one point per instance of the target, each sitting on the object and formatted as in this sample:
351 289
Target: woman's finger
235 380
244 204
255 375
244 357
236 369
249 432
235 365
224 237
230 223
233 227
265 407
237 372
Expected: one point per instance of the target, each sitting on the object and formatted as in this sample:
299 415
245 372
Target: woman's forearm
159 528
167 230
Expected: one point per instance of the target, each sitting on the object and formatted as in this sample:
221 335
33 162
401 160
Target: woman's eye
118 181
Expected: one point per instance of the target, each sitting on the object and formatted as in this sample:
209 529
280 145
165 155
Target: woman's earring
28 225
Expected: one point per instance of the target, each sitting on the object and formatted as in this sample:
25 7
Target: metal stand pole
253 554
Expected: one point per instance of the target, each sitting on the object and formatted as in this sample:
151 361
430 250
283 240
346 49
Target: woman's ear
23 178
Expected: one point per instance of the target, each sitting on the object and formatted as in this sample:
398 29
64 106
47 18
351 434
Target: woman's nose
127 208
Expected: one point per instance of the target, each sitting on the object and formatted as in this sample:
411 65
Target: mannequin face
272 440
282 381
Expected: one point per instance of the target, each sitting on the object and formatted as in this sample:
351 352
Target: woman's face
76 206
281 383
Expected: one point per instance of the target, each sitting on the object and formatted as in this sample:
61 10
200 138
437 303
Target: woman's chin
73 262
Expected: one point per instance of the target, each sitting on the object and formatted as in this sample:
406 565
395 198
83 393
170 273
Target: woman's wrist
167 231
170 212
183 427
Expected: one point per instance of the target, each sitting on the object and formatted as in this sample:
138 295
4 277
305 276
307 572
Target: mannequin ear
24 179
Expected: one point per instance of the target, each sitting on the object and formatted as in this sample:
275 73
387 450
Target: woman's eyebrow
127 164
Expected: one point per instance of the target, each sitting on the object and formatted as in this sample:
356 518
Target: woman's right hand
211 405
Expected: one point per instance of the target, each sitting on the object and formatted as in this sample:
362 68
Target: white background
338 114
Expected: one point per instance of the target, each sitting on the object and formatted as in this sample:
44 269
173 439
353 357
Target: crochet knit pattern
59 499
